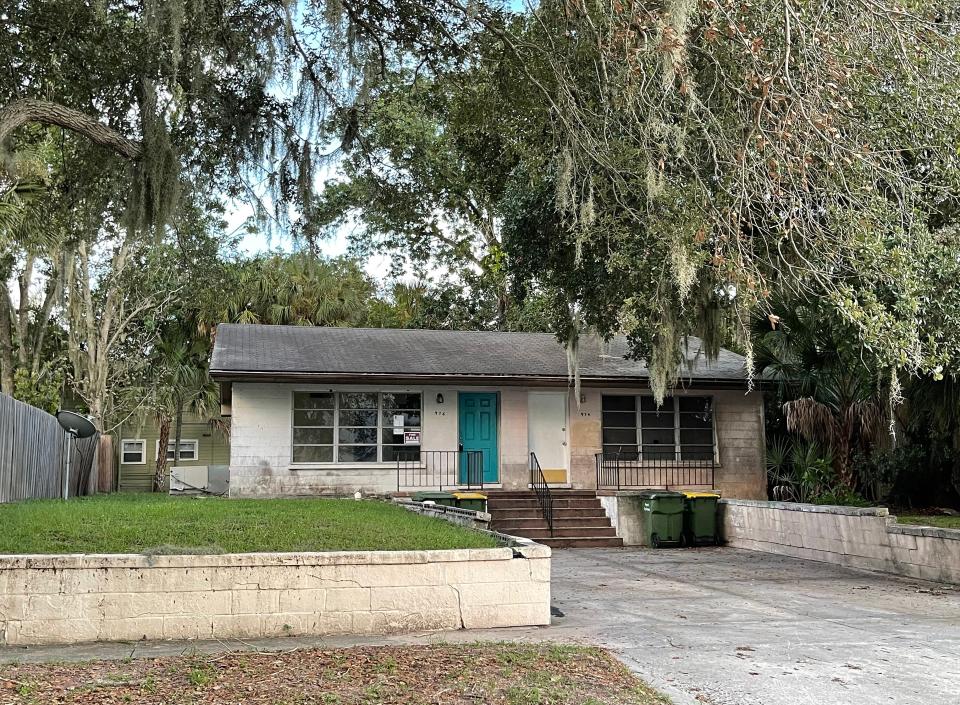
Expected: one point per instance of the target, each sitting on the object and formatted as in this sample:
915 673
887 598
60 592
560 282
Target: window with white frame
355 427
189 449
132 451
635 429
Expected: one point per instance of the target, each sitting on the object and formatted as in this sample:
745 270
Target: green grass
143 523
944 522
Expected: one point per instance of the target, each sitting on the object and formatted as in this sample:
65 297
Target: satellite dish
77 425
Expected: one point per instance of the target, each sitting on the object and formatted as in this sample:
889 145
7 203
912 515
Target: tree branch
21 112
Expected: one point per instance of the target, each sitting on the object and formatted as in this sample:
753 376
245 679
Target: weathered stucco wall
77 598
851 536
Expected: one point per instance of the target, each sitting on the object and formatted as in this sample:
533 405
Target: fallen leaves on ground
444 674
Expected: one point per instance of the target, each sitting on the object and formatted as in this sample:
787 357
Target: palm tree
181 384
298 289
827 393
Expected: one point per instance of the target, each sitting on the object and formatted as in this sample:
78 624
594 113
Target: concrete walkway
718 626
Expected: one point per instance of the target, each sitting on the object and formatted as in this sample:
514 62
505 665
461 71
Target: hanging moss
156 188
666 358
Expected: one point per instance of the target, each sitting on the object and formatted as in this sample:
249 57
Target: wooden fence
34 453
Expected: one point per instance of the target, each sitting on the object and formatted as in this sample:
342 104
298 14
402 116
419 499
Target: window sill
342 466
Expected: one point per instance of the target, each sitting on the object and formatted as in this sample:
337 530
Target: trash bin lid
469 495
657 494
695 495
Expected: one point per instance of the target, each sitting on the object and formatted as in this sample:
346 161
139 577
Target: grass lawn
139 523
944 522
501 674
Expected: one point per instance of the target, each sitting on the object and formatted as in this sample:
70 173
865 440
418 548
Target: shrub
803 472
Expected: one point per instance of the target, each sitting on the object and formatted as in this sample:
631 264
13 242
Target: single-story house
203 443
322 410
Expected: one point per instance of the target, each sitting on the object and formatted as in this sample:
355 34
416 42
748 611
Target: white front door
547 431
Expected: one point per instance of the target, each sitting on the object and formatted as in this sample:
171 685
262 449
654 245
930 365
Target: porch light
439 398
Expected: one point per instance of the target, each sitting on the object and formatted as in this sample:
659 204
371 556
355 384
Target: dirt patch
508 674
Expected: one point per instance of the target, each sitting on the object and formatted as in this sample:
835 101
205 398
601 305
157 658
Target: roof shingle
265 350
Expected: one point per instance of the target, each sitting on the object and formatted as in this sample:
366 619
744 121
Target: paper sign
411 438
398 424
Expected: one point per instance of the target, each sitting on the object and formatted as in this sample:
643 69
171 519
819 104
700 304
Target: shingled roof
322 353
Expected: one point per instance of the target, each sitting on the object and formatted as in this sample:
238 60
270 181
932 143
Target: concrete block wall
851 536
79 598
261 434
261 437
738 420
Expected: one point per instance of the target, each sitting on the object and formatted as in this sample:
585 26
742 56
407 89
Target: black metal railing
440 469
655 466
541 489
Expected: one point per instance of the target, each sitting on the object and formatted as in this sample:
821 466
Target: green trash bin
444 498
663 518
471 500
700 518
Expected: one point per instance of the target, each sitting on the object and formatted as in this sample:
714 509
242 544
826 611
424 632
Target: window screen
131 452
634 428
355 427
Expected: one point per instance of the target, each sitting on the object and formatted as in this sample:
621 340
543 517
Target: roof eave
476 379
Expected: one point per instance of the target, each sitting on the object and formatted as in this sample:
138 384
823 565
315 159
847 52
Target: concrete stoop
578 519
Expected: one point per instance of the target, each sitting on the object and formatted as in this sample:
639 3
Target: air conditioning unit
199 479
188 478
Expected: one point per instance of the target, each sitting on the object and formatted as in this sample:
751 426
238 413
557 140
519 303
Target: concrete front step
559 531
538 522
558 513
584 542
558 502
525 494
579 520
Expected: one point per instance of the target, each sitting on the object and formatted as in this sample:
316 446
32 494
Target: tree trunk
22 112
23 309
6 343
178 433
160 472
53 293
842 461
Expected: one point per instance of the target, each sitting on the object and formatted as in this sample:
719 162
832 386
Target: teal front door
478 432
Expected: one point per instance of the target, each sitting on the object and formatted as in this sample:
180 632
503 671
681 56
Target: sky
258 242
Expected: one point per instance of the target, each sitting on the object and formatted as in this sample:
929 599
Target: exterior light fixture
439 398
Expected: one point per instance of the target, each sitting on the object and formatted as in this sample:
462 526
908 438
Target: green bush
803 472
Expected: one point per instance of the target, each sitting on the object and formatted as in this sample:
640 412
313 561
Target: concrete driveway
725 626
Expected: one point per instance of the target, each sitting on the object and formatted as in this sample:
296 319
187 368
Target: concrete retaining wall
77 598
851 536
625 510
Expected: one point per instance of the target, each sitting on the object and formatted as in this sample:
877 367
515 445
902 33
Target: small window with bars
633 428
